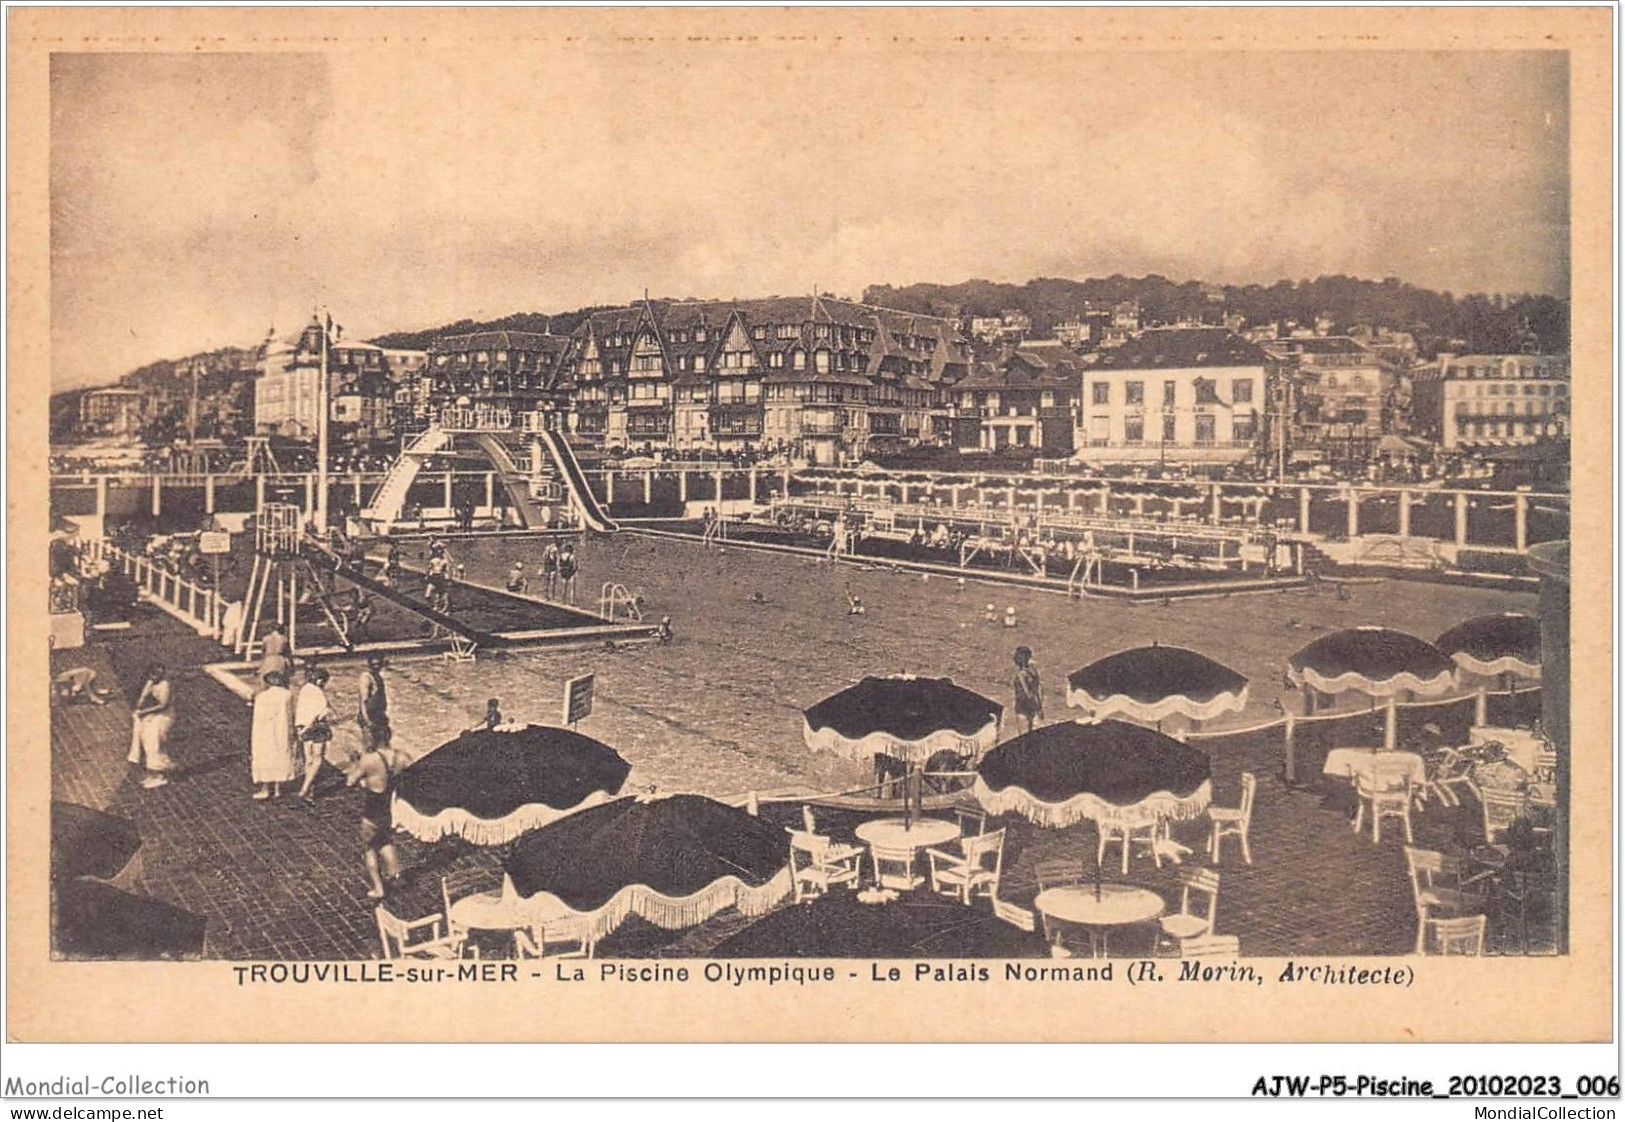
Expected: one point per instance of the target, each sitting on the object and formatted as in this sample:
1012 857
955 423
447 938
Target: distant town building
1175 393
361 385
1484 401
1008 326
1345 397
1022 400
114 411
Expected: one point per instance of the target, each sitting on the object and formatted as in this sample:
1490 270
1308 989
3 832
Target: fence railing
194 605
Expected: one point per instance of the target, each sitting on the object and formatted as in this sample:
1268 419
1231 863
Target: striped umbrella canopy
1061 774
490 785
909 718
674 861
1496 644
1154 683
1378 661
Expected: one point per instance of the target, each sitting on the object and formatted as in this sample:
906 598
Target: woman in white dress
271 761
151 720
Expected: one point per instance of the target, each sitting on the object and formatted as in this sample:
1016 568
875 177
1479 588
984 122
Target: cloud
197 199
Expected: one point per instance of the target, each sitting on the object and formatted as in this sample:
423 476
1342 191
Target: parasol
674 861
1507 644
490 785
1065 773
906 717
1498 644
1376 661
1154 683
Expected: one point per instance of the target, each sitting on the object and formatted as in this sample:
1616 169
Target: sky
198 200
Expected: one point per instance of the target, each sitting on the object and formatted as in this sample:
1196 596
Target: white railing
198 607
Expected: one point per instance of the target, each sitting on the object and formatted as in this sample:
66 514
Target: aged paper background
1487 999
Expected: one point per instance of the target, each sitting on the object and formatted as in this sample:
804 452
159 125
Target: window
1207 391
758 333
1046 400
1244 428
1134 430
776 360
1241 391
1168 426
1168 389
1204 428
787 331
798 360
699 334
821 361
699 363
1102 392
502 356
1134 393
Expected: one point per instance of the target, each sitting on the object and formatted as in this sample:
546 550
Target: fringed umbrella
1376 661
1154 683
1507 644
90 843
909 718
674 861
490 785
1062 774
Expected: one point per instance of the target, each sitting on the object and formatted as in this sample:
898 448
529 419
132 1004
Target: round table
1118 905
894 841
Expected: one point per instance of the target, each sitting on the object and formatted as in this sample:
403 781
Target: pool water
761 636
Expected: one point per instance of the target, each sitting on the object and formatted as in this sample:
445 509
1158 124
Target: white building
1474 401
1188 395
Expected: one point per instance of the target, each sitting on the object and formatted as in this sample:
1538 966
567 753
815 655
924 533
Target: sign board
214 541
578 699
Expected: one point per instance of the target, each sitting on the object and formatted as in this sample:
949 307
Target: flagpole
322 409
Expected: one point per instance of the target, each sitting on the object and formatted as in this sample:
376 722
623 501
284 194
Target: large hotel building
823 377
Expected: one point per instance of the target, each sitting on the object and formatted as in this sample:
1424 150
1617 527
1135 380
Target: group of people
557 571
293 733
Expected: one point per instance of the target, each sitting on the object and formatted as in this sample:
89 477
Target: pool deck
717 711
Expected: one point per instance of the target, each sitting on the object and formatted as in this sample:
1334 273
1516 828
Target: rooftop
1182 347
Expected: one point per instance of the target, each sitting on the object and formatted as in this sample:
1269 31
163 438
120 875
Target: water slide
576 480
515 482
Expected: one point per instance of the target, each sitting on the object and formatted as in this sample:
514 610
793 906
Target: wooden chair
1463 936
1234 822
1448 770
534 942
1500 810
400 938
1387 799
817 864
971 821
1185 923
1545 766
1437 887
1126 833
1211 946
1058 873
460 884
968 872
